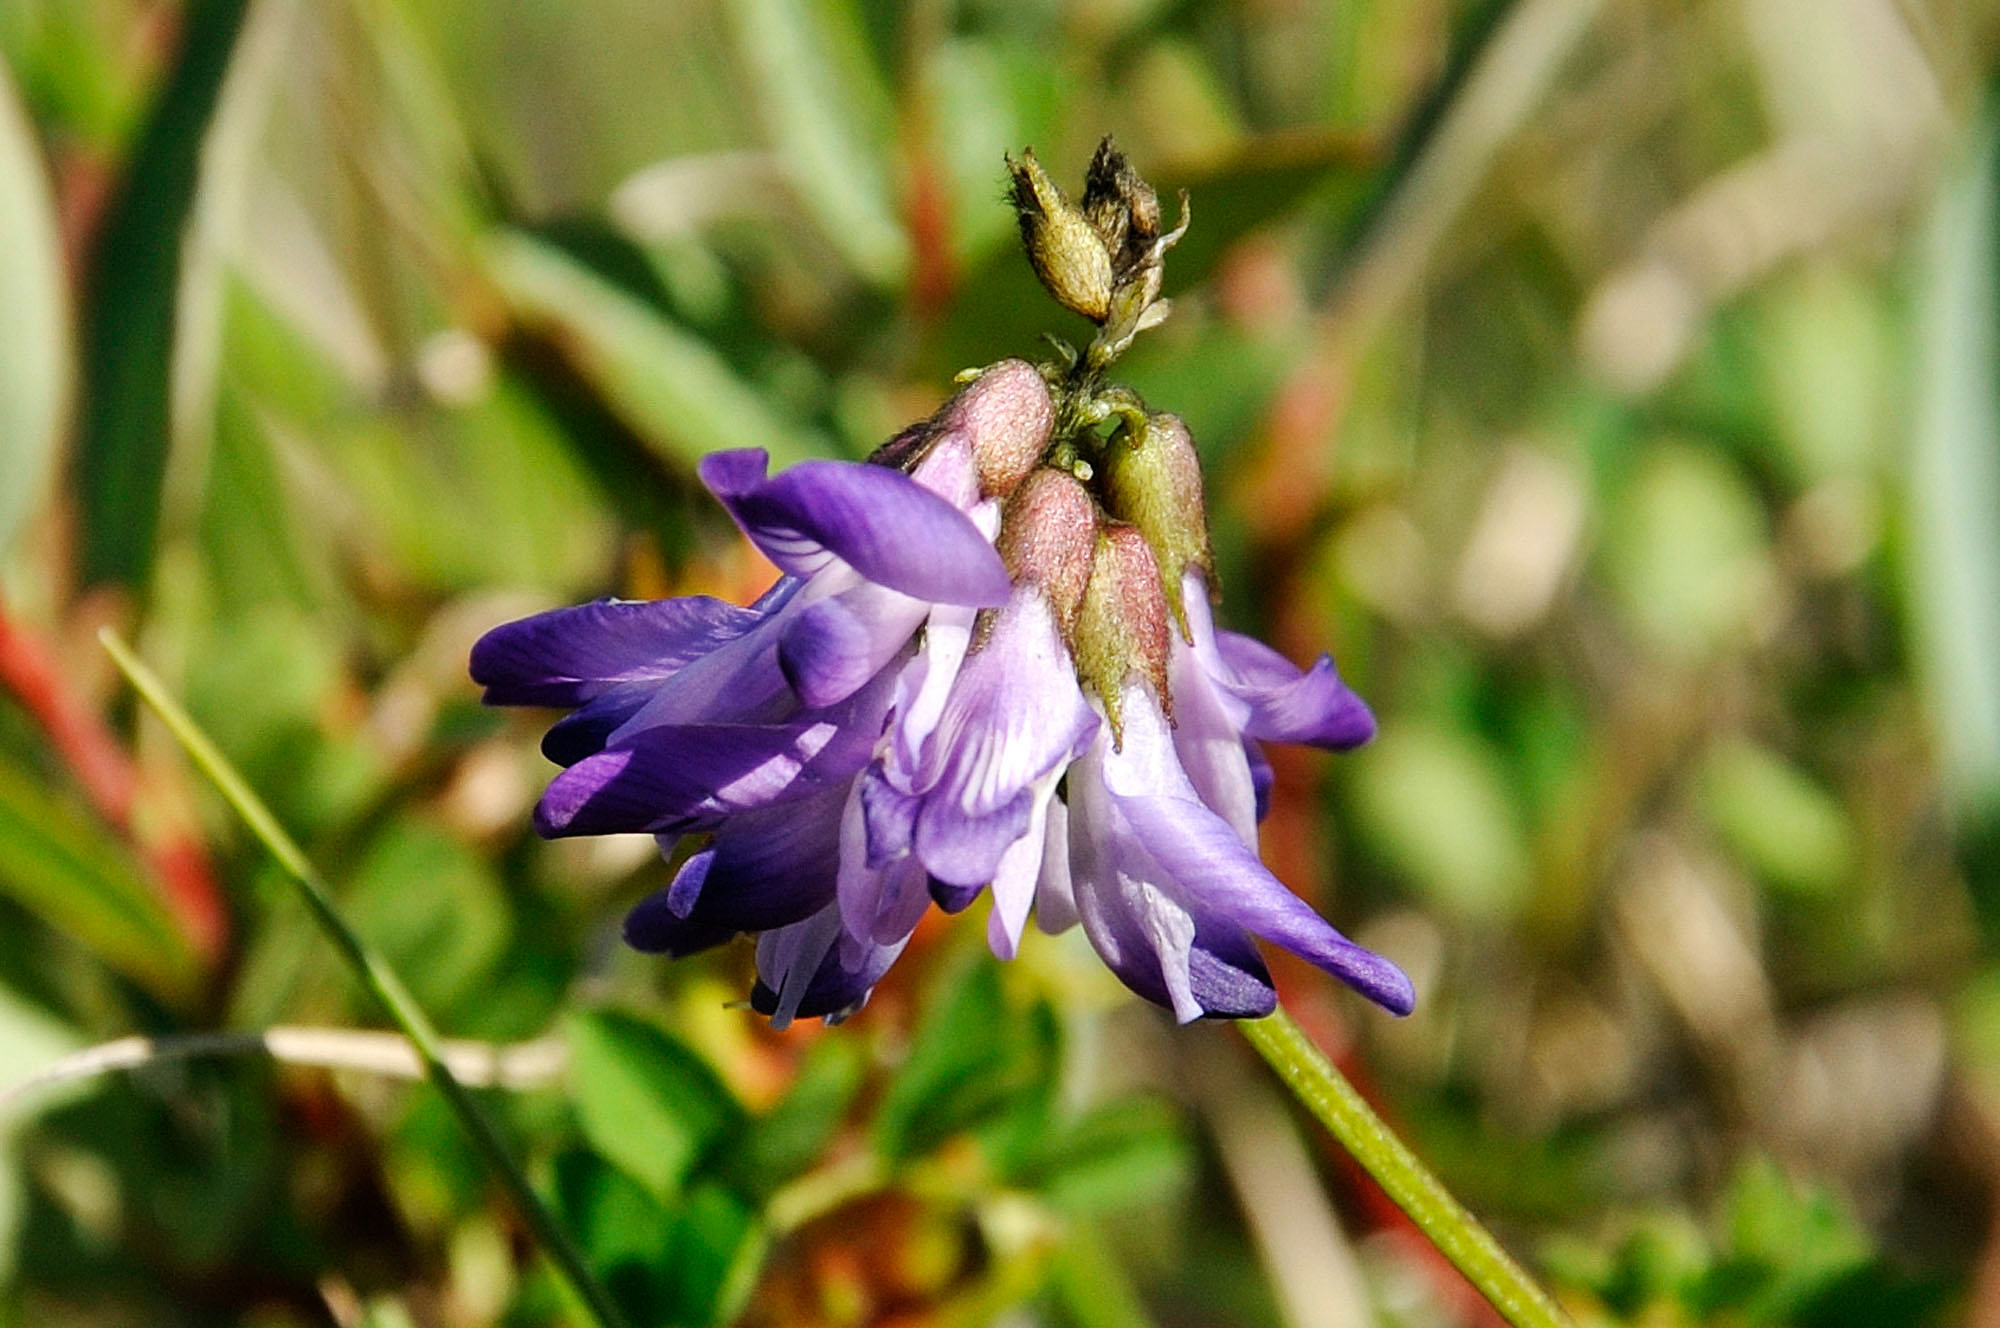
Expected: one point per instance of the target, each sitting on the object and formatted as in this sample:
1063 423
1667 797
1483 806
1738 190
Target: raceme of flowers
989 664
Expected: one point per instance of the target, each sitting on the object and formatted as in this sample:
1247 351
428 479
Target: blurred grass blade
823 106
129 317
376 974
1954 483
667 384
36 363
68 870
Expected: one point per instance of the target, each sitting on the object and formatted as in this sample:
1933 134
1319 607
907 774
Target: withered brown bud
1066 251
1152 478
1123 625
1001 419
1048 536
1123 208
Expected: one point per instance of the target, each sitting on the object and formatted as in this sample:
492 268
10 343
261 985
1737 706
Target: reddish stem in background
31 672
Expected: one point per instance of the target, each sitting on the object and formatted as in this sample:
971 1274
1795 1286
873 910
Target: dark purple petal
1227 975
883 524
585 730
889 816
808 970
654 928
1286 705
953 898
1262 776
690 776
831 648
567 656
767 868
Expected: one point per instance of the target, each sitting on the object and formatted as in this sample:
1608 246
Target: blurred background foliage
1610 383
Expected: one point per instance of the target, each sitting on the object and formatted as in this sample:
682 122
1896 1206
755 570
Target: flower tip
734 472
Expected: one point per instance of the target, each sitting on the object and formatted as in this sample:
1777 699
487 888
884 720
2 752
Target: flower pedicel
989 663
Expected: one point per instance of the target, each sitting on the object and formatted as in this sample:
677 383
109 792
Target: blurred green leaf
791 1136
433 907
1686 551
35 359
1435 804
647 1102
668 384
129 318
1118 1156
825 109
1776 819
966 1061
72 872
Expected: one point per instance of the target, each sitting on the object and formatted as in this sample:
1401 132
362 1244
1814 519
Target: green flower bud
1123 623
1152 478
1066 251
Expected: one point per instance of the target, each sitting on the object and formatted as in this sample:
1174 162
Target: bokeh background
1613 385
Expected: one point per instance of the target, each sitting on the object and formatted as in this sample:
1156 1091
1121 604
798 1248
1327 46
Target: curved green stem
380 979
1443 1219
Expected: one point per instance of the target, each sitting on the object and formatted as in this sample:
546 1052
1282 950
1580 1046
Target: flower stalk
376 974
1445 1222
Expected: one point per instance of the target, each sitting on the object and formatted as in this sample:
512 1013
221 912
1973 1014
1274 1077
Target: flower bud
1123 208
997 426
1048 536
1152 478
1123 624
1067 252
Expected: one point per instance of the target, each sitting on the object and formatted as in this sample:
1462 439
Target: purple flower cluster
977 671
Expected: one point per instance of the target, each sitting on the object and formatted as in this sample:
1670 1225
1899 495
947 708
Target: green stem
1443 1219
376 974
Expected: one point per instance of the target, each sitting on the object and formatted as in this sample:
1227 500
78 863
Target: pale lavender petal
878 901
832 647
1014 880
1286 705
1055 900
1208 740
1271 697
1207 860
883 524
567 656
1149 823
1015 714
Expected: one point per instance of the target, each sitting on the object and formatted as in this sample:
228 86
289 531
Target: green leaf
434 908
968 1059
1435 803
825 109
1687 552
666 383
129 321
72 872
647 1103
1777 819
790 1137
36 364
